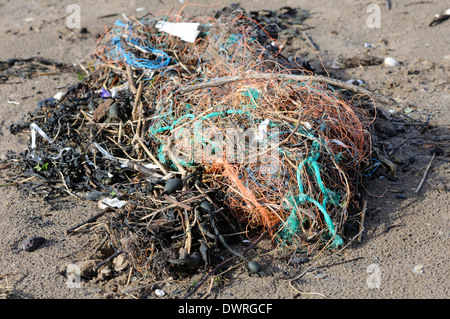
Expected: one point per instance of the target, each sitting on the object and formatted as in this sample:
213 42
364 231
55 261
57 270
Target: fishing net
269 146
282 152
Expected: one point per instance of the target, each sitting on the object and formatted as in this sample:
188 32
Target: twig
131 80
409 137
188 241
18 182
65 185
361 225
134 113
153 158
340 262
175 202
117 253
90 220
209 289
175 161
310 41
425 174
312 78
305 293
82 67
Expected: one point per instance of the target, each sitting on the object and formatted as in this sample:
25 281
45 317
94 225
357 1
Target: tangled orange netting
303 144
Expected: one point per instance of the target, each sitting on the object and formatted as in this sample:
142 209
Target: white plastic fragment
337 142
391 62
111 202
418 269
34 128
90 162
104 152
59 96
159 293
60 153
186 31
262 130
307 125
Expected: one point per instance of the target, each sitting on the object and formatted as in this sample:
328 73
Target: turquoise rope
302 197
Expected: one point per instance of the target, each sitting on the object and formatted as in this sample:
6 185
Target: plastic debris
185 31
391 62
111 202
34 128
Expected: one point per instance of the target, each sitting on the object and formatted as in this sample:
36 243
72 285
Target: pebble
246 242
92 106
418 269
120 262
114 111
172 185
254 267
33 243
206 207
391 62
59 96
159 293
194 261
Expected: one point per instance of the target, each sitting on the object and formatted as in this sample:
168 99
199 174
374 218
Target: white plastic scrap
34 128
59 95
186 31
104 152
111 202
391 62
262 130
60 153
159 292
339 143
89 161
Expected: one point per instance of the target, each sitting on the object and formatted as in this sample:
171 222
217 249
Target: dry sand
404 251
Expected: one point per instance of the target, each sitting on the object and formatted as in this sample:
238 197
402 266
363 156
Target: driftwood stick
90 220
425 174
134 112
175 202
293 77
117 253
130 79
409 137
363 215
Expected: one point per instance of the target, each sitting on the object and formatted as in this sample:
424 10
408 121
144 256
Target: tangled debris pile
198 133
